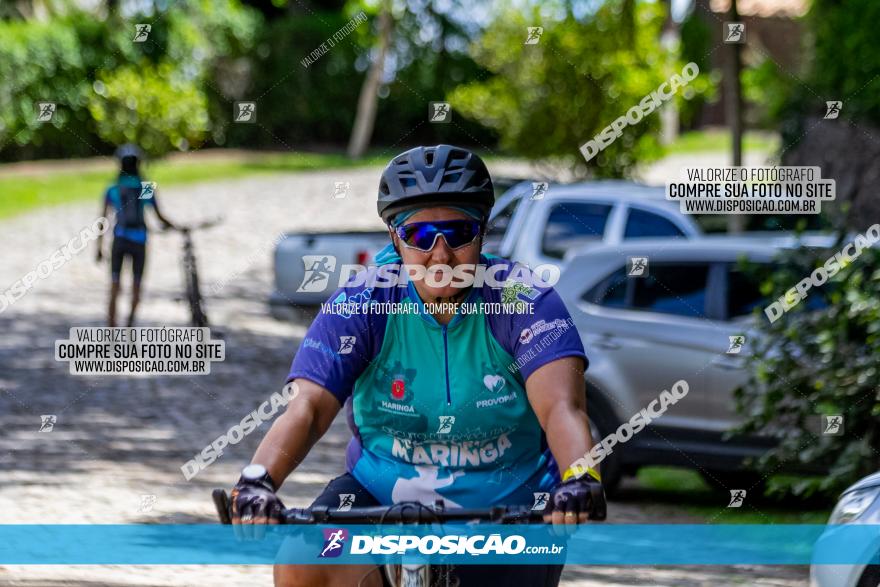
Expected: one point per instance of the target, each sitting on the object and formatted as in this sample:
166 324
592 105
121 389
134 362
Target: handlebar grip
221 502
297 516
598 509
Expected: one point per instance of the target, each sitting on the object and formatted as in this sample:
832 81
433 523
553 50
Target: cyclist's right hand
254 503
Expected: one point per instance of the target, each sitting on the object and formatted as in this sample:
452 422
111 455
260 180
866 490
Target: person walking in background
129 197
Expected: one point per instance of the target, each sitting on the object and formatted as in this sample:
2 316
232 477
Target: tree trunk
735 222
369 98
670 40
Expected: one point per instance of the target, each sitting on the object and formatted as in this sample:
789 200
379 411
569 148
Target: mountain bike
399 575
192 292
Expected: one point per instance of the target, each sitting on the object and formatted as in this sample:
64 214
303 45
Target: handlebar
400 513
199 225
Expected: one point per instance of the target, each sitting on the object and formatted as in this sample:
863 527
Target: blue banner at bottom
592 544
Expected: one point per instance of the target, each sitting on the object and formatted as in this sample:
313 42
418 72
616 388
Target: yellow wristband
569 473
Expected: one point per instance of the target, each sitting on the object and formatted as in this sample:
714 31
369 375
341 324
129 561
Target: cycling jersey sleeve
339 345
537 338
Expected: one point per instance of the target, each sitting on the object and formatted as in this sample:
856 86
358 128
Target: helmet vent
429 157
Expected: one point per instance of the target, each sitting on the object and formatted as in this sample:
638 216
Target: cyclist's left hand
576 501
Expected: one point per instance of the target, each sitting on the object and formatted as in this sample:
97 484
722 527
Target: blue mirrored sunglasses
422 236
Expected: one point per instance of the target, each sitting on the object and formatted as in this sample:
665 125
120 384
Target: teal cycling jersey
441 411
128 202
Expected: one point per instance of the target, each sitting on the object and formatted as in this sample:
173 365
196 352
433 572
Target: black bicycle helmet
440 175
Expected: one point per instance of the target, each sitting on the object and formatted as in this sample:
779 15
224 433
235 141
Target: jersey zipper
446 362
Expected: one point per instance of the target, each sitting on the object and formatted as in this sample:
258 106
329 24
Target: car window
571 224
498 225
672 289
610 292
641 224
743 293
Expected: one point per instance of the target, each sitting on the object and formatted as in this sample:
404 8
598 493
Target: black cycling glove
255 498
582 495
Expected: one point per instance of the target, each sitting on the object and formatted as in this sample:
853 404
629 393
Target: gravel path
117 439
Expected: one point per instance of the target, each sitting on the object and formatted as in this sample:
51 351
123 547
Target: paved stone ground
119 438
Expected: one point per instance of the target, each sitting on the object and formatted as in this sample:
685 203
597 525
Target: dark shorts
469 575
122 247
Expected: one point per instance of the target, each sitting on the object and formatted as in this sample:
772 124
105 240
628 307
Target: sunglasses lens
421 235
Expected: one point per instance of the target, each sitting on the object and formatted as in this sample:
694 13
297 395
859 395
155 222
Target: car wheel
726 480
870 577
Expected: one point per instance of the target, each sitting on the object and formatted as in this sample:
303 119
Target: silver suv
654 311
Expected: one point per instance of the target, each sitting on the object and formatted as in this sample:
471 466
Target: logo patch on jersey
525 336
398 388
512 291
494 382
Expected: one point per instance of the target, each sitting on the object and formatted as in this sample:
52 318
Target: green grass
719 140
687 489
22 192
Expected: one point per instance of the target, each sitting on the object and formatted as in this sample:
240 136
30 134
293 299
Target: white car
528 225
859 504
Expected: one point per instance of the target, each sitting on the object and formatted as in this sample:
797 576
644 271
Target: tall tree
368 101
735 222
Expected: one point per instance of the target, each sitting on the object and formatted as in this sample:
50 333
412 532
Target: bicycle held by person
191 284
